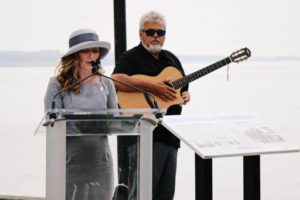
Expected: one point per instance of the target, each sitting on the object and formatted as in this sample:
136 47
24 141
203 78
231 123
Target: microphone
153 104
95 65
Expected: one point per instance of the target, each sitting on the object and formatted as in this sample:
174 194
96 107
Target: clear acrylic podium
139 122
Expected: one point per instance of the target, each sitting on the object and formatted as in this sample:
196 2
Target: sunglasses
94 50
151 32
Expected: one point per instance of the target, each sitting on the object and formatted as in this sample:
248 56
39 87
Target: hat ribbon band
86 37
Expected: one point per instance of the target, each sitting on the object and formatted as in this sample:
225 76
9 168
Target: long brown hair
67 72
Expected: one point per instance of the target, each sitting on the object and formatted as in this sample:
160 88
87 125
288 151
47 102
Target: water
269 90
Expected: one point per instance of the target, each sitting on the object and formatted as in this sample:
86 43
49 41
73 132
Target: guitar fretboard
179 83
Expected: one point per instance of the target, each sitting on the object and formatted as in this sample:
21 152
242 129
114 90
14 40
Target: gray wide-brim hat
85 39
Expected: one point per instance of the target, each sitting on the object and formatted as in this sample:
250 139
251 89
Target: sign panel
220 135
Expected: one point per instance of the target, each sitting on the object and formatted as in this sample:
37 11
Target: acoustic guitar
139 100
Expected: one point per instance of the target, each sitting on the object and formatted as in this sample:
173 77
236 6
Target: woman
89 173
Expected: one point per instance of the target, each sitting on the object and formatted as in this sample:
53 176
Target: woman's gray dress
89 161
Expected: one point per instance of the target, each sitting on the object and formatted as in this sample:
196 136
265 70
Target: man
149 59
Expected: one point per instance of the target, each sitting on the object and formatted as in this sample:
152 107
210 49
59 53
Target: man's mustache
155 40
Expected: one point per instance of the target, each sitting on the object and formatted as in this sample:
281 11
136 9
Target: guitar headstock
240 55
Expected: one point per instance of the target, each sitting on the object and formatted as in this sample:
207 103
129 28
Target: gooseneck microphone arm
147 94
152 104
53 115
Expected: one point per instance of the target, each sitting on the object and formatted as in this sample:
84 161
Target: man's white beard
153 48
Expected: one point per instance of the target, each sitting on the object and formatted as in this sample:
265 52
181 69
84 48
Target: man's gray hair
152 16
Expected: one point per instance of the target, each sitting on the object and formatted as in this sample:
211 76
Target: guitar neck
179 83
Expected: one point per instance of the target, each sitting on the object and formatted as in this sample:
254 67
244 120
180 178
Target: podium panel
90 125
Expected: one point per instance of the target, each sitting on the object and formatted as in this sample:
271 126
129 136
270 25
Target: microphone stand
95 68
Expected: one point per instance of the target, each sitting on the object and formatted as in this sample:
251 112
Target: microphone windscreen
95 65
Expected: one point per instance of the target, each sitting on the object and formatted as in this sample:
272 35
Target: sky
194 27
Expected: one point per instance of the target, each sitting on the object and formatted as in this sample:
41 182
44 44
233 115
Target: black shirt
139 61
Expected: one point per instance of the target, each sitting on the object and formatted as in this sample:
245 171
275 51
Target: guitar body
137 99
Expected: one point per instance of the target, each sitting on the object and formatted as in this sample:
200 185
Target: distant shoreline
52 57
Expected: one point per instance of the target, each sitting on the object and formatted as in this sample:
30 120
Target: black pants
164 171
